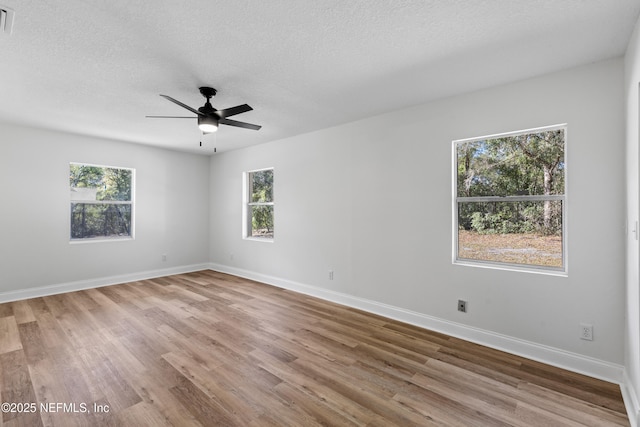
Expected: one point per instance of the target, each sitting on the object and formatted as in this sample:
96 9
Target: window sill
259 239
512 267
100 240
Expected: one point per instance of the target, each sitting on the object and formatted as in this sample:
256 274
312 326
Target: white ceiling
97 67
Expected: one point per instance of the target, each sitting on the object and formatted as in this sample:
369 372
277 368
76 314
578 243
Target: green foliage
486 223
513 217
261 192
112 183
520 165
117 185
262 220
95 218
85 176
90 220
262 186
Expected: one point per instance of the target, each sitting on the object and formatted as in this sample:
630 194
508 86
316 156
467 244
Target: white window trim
114 202
553 271
246 217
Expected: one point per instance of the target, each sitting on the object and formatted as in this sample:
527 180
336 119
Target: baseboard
552 356
96 283
631 402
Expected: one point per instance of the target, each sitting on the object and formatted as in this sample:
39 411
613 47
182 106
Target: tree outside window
510 199
260 204
101 202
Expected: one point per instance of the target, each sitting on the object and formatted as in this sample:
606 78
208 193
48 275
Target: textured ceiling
97 67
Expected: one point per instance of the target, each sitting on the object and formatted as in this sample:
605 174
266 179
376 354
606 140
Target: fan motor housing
208 92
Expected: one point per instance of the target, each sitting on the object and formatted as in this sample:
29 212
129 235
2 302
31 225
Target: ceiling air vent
6 20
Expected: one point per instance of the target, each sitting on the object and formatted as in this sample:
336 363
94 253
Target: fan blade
239 124
170 117
175 101
228 112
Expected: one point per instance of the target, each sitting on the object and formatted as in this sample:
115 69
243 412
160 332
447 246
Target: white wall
171 211
632 330
371 200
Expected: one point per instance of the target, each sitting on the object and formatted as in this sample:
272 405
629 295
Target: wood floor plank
570 407
534 416
367 397
110 379
32 342
222 394
154 385
9 335
22 312
251 385
6 310
17 388
435 408
460 401
50 390
50 330
318 345
207 411
307 384
207 348
142 414
490 391
308 411
71 375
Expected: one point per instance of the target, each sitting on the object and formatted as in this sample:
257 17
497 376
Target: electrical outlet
330 274
586 332
164 257
462 306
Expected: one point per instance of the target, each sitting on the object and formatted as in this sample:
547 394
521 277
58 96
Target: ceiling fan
208 117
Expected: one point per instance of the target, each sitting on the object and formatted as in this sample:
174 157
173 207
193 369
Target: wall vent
6 20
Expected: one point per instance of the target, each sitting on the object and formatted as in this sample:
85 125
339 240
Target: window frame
131 203
247 215
530 268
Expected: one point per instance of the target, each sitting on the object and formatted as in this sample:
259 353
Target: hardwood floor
210 349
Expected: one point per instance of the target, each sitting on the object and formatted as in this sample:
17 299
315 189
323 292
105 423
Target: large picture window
101 202
259 204
509 202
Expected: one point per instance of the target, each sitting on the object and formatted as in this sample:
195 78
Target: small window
259 204
101 202
509 202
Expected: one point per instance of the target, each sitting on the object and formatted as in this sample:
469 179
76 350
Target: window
509 201
259 204
101 202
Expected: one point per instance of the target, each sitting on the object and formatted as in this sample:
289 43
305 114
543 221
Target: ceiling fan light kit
208 117
207 124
